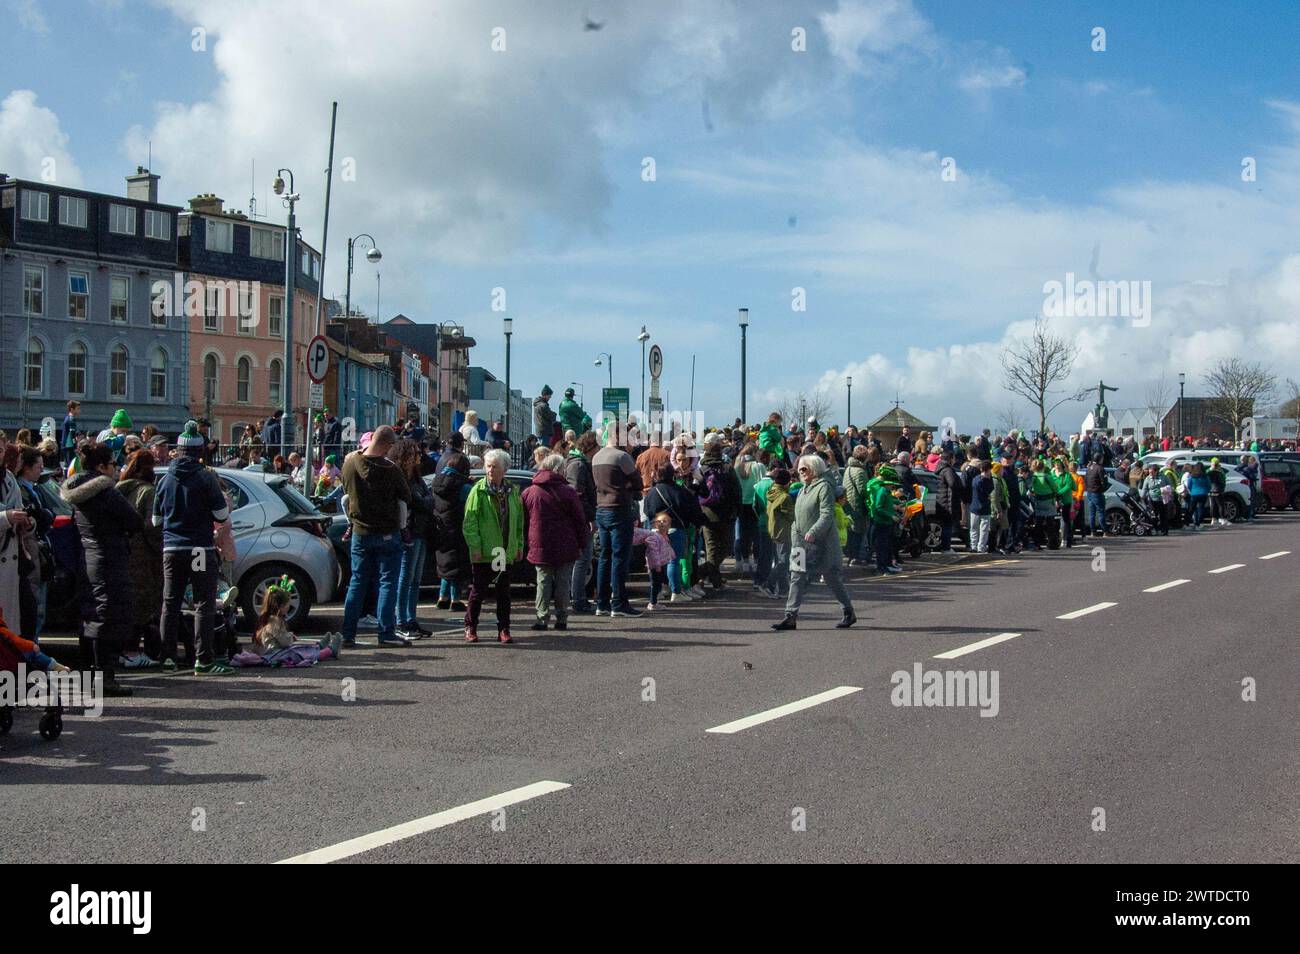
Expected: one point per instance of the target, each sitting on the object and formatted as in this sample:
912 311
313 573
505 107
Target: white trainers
368 622
696 592
651 607
681 597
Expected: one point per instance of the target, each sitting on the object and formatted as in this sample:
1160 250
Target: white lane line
1274 556
355 846
1230 566
790 707
991 641
1165 586
1086 610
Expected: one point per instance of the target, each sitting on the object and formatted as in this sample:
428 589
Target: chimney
143 185
206 203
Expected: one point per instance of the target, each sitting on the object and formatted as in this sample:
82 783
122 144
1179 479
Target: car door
247 515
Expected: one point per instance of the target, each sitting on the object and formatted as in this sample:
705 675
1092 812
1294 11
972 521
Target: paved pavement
551 750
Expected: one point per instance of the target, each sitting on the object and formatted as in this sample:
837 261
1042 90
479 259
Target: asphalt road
1135 710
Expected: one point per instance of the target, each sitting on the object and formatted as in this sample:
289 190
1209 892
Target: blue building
78 275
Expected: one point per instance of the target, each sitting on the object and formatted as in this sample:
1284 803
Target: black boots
787 623
849 619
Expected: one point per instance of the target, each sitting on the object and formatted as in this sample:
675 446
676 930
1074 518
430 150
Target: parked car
278 532
1271 496
1284 468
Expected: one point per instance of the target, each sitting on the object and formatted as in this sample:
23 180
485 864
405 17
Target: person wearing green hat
883 491
544 417
114 436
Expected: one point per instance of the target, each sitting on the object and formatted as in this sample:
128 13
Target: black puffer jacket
947 499
452 552
106 520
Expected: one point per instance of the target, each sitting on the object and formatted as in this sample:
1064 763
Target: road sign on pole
318 359
656 362
316 390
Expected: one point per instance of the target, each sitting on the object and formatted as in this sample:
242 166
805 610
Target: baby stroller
12 648
1144 521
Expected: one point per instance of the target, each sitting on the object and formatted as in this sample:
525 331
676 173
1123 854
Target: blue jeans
448 590
408 580
614 525
376 560
581 572
1096 511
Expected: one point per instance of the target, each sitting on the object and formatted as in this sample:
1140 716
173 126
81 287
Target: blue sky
774 170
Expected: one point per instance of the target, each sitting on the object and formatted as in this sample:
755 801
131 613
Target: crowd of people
790 506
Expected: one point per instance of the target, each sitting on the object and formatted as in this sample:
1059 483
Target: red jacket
556 529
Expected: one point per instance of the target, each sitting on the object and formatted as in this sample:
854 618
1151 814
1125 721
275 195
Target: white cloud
32 144
873 27
29 15
988 78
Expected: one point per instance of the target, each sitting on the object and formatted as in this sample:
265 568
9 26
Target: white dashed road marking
963 650
355 846
1165 586
1086 610
1230 566
789 708
1274 556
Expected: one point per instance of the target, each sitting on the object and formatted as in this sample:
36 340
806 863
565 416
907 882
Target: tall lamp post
848 410
643 337
372 255
598 362
290 273
744 329
507 325
1182 380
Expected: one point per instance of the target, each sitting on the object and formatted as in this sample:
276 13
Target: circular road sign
318 359
656 362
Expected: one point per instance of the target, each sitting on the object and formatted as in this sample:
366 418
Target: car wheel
1264 505
933 535
255 583
1117 522
1230 508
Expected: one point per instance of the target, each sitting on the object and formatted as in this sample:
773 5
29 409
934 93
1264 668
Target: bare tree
1236 388
800 407
1159 396
1033 366
1009 419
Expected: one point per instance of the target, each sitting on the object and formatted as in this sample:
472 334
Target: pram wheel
6 720
51 726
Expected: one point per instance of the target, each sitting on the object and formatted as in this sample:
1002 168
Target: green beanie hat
887 474
190 441
120 419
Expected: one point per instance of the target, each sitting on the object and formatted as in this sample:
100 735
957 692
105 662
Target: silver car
278 532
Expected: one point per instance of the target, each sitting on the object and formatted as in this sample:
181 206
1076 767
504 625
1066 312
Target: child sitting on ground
658 554
275 644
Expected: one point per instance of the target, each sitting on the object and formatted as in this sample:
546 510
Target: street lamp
582 392
848 411
507 324
744 329
643 337
372 255
1182 380
290 273
598 363
454 331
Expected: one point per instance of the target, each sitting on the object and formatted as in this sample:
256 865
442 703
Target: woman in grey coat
815 543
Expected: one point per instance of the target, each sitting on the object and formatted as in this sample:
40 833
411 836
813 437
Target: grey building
79 272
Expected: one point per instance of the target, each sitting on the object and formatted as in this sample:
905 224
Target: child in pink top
658 554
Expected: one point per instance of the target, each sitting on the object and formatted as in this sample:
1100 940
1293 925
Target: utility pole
287 423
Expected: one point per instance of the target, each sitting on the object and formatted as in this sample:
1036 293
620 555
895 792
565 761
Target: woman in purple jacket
556 531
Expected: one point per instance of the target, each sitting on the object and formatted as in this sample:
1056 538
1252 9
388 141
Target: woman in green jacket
494 533
815 543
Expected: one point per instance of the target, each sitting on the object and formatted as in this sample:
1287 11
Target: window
119 298
34 290
273 396
117 365
78 294
77 368
210 378
36 206
121 219
158 375
243 380
157 225
220 236
212 307
34 366
246 310
158 305
72 211
268 243
275 317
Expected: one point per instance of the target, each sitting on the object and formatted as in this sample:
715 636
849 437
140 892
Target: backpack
729 484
